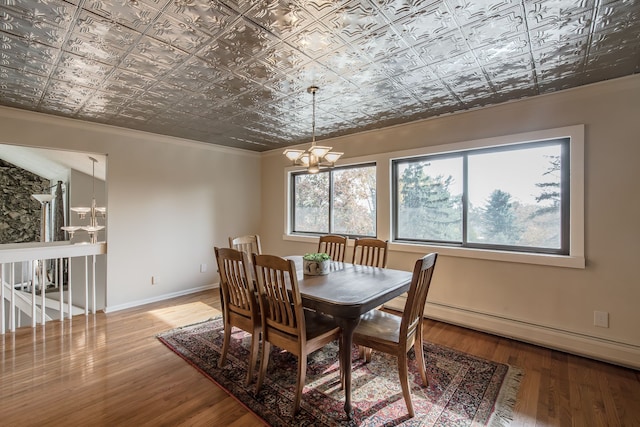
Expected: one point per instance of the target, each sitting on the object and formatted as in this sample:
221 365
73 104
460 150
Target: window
337 201
513 197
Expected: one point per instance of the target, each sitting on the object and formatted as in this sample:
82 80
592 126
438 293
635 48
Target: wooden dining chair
396 335
249 243
286 324
371 252
240 306
333 245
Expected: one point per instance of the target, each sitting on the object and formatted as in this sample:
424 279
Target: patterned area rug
463 390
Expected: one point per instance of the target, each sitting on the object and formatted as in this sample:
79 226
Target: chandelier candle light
316 157
93 228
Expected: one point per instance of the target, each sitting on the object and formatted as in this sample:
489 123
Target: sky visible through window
515 172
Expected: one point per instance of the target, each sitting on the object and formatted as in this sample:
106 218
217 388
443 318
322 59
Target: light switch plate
601 319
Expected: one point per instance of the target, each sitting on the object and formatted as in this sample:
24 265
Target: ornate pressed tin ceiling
235 72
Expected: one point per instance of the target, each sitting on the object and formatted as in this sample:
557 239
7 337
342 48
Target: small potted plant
316 264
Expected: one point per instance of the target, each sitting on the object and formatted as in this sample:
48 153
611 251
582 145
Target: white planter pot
315 268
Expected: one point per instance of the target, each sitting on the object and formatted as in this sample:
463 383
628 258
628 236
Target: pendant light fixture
94 211
317 157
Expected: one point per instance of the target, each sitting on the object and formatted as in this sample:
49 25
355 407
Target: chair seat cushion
378 325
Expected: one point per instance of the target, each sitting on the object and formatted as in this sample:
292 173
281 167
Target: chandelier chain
313 120
313 91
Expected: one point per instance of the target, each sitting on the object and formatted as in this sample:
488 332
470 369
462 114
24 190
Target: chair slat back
417 297
371 252
238 290
249 243
280 300
333 245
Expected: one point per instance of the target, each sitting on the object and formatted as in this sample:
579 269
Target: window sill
493 255
571 261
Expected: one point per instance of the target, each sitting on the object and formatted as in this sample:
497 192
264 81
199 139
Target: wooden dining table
347 292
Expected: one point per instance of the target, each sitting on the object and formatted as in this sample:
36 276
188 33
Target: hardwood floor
109 369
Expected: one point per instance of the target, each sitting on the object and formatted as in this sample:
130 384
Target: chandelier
316 157
93 227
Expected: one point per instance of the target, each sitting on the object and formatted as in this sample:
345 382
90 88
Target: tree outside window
429 202
508 198
338 201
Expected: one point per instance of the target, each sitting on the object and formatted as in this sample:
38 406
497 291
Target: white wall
551 306
169 201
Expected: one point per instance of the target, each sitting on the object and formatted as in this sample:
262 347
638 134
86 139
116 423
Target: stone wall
19 212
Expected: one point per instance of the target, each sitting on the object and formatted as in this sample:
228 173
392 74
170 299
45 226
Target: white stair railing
22 303
36 256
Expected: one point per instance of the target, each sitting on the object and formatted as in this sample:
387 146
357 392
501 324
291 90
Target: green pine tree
499 219
427 208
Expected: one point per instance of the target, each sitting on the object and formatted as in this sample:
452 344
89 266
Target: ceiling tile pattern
235 72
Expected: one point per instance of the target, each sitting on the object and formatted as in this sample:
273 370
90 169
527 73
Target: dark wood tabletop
350 290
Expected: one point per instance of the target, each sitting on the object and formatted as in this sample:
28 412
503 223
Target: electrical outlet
203 268
601 319
154 280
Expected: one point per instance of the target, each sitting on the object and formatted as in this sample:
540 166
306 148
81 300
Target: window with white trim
341 200
512 197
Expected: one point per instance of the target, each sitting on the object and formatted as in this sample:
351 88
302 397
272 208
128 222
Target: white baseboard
132 304
593 347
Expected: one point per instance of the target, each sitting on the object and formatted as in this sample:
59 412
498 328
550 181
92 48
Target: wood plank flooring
110 370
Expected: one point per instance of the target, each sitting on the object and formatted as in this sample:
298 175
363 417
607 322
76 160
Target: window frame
291 197
463 155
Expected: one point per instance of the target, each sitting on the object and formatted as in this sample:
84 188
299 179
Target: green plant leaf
317 257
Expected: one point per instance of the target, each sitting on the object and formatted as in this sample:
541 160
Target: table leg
348 326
